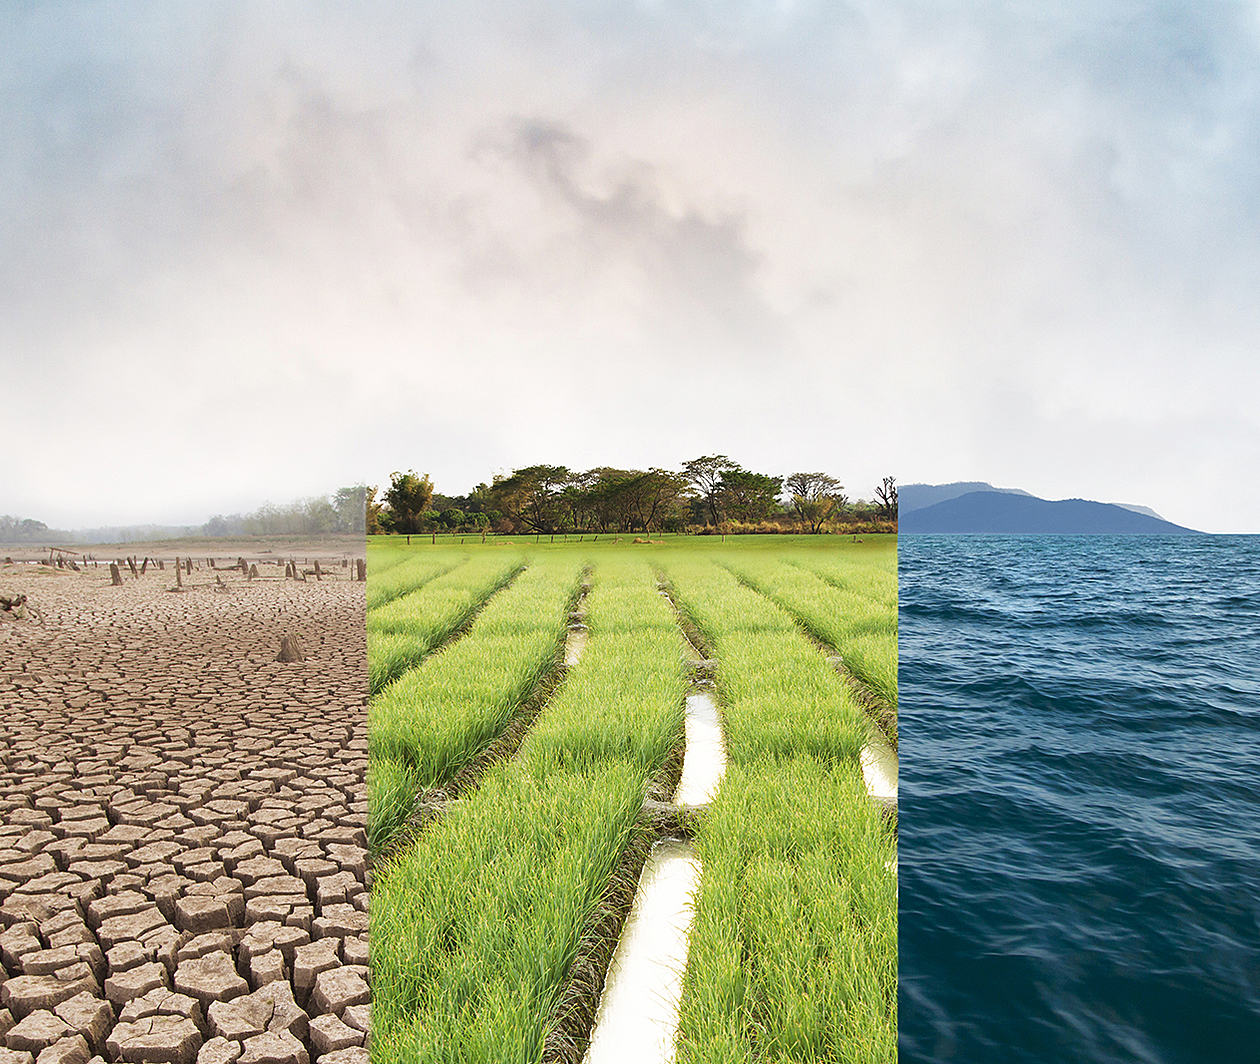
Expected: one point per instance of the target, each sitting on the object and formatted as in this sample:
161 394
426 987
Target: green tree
749 496
408 497
531 497
705 476
815 498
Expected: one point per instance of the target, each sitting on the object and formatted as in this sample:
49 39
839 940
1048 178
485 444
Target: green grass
855 620
401 633
476 920
794 950
436 718
476 924
402 573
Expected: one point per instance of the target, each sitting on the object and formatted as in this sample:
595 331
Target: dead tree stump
290 650
360 568
318 574
179 574
253 571
115 574
131 564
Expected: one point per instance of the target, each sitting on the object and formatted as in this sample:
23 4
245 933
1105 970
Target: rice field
526 738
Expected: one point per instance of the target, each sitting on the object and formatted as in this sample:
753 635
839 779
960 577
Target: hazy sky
253 252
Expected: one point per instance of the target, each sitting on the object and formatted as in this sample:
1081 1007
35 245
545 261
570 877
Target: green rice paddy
480 910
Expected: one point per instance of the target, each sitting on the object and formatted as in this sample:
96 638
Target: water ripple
1080 799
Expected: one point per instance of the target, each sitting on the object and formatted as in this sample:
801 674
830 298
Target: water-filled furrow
637 1020
880 771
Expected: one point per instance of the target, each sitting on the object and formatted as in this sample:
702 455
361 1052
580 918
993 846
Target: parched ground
182 852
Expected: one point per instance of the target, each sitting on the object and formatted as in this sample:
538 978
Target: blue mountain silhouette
1006 512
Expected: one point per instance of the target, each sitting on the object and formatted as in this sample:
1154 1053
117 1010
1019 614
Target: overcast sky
254 252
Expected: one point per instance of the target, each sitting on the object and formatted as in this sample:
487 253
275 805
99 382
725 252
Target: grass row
435 719
476 925
861 627
403 632
794 948
383 559
392 574
871 572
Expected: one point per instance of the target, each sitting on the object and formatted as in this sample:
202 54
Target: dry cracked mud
182 853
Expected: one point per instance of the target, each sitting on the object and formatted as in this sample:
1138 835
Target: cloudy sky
254 252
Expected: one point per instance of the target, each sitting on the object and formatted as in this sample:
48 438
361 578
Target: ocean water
1080 799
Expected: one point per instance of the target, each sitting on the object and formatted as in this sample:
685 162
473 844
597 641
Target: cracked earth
182 854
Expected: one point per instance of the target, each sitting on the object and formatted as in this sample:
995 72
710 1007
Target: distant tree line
342 511
17 529
706 495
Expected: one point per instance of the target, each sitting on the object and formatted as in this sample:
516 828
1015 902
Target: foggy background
253 253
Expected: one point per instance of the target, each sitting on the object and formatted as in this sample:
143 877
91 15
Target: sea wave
1080 820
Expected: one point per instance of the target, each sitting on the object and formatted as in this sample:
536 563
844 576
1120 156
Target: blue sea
1080 799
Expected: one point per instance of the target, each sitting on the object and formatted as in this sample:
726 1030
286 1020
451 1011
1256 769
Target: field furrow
793 950
408 574
403 632
871 575
432 725
385 559
475 927
860 629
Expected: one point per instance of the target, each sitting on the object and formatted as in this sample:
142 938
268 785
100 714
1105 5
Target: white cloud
261 251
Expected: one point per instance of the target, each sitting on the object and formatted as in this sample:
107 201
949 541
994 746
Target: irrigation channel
637 1018
499 712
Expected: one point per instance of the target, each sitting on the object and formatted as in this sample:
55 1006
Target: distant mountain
1005 512
917 496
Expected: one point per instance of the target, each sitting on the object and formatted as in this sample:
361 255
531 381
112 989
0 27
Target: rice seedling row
492 928
387 558
860 630
793 950
477 925
869 573
403 632
407 574
439 725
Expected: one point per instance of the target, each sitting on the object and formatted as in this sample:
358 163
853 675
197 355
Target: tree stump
131 564
290 650
253 571
360 566
179 573
318 574
115 574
